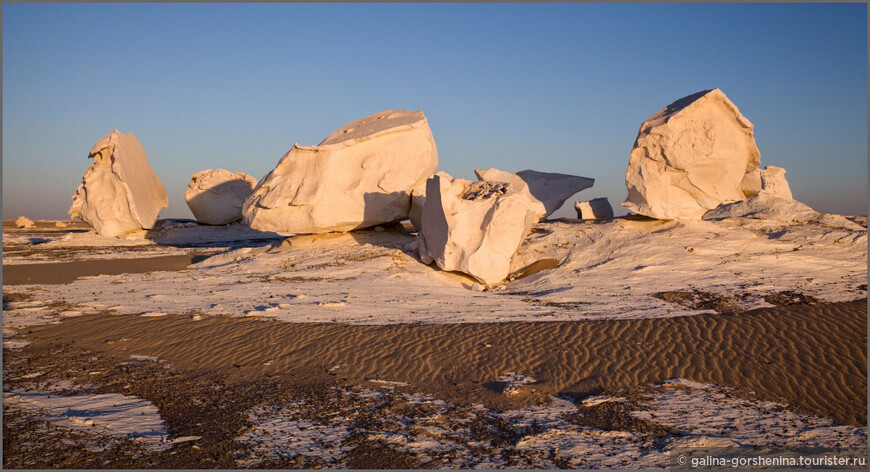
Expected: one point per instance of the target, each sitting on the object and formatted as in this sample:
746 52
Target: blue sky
552 87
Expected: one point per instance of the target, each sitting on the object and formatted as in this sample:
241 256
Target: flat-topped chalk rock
361 175
548 191
773 182
24 222
691 156
119 192
595 209
216 196
474 227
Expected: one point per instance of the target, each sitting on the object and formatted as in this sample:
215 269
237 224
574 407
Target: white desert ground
625 339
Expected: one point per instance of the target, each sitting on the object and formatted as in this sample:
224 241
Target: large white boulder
547 190
595 209
474 227
691 156
361 175
215 196
119 192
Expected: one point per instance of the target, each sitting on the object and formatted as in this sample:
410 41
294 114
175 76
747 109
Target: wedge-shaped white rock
119 192
361 175
765 206
24 222
215 196
691 156
474 227
595 209
547 190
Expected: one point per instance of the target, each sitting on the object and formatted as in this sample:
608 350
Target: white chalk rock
119 192
547 190
764 206
773 182
474 227
361 175
595 209
215 196
773 202
690 157
24 222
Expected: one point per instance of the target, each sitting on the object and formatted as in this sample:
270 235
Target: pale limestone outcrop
773 182
548 191
119 192
595 209
215 197
474 227
774 202
361 175
24 222
691 156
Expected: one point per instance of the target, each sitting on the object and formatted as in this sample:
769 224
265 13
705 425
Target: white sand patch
111 414
442 435
280 432
14 343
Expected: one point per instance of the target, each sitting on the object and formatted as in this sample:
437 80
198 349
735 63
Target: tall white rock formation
119 192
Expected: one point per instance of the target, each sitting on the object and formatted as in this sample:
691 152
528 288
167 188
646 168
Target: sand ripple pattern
812 358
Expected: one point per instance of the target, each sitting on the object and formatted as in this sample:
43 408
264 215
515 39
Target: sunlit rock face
119 192
691 156
24 222
474 227
361 175
215 197
773 182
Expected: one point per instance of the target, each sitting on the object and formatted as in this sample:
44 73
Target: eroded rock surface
690 157
474 227
216 196
773 182
361 175
119 192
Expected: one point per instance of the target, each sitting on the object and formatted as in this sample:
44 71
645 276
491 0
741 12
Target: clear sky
551 87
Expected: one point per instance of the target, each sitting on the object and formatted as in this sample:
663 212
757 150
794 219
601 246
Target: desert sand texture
812 357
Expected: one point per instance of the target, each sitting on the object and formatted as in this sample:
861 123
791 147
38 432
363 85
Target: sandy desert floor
612 343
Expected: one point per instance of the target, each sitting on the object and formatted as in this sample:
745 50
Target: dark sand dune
812 357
